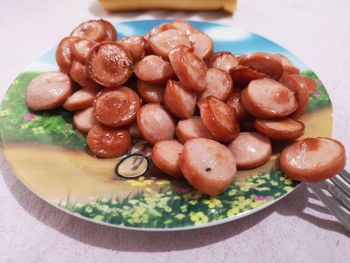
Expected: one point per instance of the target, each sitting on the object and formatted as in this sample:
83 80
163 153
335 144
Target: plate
49 156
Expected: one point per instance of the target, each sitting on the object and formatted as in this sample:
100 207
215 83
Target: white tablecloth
296 229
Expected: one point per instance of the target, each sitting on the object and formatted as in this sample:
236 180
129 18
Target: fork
335 194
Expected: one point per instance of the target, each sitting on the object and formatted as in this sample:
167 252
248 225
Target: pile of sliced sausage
206 114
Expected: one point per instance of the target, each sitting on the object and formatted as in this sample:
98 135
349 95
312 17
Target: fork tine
345 175
345 188
338 194
332 206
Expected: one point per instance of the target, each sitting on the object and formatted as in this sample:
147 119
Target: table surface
298 228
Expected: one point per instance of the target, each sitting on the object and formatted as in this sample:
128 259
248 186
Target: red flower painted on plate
29 117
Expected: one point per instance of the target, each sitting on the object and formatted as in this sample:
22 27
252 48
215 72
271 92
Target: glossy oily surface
59 162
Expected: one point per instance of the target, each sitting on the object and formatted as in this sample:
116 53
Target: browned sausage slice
111 32
190 69
225 61
179 25
155 123
298 85
48 91
192 128
164 42
208 165
285 129
134 46
79 74
81 99
153 69
219 84
313 159
178 100
287 65
64 54
219 118
84 120
93 30
242 76
202 45
150 93
81 48
116 106
234 100
251 149
166 156
263 62
267 98
311 84
109 65
108 142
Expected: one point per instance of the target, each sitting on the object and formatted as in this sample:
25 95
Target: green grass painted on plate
179 205
18 124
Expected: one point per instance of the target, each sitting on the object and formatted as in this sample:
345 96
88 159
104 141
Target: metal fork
335 194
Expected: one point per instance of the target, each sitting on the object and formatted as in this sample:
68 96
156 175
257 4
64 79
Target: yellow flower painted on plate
213 202
233 211
180 216
199 218
38 130
4 113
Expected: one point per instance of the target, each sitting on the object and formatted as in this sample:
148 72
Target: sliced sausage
108 142
93 30
225 61
267 98
111 32
150 93
207 165
311 85
179 25
64 54
287 65
48 91
298 85
178 100
234 100
153 69
251 149
134 46
109 65
84 120
263 62
116 106
285 129
219 84
313 159
242 76
166 156
81 48
192 128
190 69
219 118
81 99
79 74
155 123
202 45
164 42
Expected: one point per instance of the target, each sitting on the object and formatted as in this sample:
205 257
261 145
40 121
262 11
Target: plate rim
142 228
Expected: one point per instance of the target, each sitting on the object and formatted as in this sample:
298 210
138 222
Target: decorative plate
49 156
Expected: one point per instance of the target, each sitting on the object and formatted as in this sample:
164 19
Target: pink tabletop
296 229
